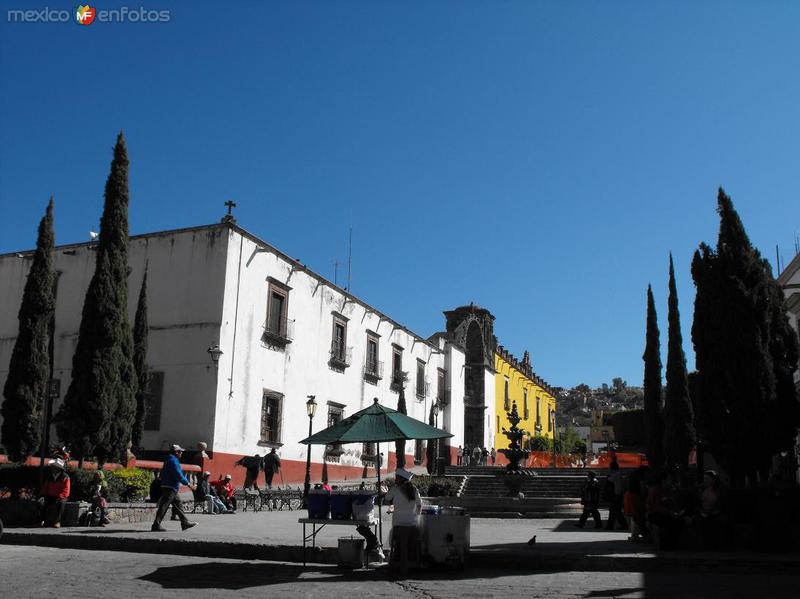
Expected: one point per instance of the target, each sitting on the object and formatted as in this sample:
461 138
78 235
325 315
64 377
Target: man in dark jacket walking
253 465
171 480
590 499
272 464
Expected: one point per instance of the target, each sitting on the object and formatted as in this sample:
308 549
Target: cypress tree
100 405
743 351
400 446
140 330
29 369
653 417
430 450
679 433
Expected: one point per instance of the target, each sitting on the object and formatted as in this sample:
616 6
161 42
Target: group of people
654 504
475 456
270 464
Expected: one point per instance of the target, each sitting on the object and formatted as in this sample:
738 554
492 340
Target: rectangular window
420 378
335 414
368 452
441 390
397 367
340 355
277 326
373 367
506 404
153 397
271 408
498 424
525 404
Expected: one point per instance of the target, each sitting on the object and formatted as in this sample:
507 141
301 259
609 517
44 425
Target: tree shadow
615 592
242 575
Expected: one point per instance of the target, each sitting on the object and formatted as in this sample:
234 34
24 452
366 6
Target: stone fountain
515 454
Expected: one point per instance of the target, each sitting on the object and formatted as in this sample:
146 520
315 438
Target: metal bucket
351 552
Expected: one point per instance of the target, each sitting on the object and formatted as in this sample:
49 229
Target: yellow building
515 381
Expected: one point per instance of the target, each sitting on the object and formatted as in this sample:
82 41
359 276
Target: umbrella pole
380 501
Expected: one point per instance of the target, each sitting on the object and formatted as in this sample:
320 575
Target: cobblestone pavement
45 572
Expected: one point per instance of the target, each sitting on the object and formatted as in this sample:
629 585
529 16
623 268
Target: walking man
253 465
171 480
460 456
590 499
272 464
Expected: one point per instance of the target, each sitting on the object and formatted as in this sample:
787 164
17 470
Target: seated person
224 490
204 492
99 497
364 511
55 492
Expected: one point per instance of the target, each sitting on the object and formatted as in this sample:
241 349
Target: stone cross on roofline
228 218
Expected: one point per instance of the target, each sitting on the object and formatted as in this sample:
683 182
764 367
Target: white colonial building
789 280
284 333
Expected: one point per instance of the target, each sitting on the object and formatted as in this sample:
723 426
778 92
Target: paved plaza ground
43 572
495 543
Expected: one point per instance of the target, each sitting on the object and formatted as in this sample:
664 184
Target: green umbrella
375 424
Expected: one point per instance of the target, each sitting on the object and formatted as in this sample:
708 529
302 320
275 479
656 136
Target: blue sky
537 158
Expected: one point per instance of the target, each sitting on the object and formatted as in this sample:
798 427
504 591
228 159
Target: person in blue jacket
171 480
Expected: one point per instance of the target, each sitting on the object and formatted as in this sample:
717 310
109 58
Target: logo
84 15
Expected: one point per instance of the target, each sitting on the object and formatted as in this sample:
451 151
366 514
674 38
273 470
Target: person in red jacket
225 492
55 491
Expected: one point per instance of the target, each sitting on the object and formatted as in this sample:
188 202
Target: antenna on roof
336 272
350 260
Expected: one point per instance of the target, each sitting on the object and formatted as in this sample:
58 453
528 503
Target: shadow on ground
237 576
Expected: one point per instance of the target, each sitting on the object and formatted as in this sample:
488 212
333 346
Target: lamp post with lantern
311 409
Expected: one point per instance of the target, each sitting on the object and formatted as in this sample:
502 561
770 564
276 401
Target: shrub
132 484
19 481
540 443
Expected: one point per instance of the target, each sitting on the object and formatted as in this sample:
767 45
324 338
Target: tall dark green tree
679 433
744 350
140 331
99 408
400 446
29 370
653 410
430 450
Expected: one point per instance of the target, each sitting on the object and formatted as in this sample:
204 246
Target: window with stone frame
335 414
372 364
152 399
506 400
271 412
368 452
397 367
277 325
441 386
420 379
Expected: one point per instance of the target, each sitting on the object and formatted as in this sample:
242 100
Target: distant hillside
575 405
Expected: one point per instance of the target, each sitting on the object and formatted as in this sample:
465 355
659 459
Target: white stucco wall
209 285
301 368
185 278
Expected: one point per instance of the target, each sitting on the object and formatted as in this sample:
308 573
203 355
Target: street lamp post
435 468
311 409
